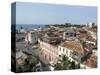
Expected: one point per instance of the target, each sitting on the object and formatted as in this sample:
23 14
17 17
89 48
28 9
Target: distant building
90 24
70 35
34 36
22 31
28 37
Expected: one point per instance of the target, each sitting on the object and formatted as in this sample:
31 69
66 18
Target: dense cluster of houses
76 43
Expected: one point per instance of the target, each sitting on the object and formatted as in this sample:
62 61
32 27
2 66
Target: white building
22 31
28 37
70 35
71 49
90 24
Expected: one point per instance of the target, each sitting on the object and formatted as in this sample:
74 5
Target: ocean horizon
30 26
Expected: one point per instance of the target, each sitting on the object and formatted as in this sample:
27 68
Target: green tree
58 66
77 66
30 62
73 65
28 65
66 64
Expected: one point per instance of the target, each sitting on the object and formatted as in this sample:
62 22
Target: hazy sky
38 13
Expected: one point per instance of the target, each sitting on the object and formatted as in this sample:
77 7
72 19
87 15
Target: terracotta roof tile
73 45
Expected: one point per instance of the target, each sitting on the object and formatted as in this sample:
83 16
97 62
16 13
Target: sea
30 26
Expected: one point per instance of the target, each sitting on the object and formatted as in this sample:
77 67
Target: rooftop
73 45
93 29
91 61
90 38
20 54
51 36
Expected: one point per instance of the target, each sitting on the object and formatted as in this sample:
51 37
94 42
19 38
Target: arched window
63 49
49 58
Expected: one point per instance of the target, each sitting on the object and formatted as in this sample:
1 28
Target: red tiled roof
92 61
73 45
89 38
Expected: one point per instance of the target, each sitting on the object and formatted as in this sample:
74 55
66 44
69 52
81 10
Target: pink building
49 45
49 53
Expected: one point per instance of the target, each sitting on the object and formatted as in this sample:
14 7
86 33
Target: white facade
22 31
72 55
91 42
70 35
90 25
67 52
64 51
28 37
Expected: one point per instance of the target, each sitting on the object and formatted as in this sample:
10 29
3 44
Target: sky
40 13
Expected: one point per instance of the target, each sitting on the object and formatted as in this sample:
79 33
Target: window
60 49
45 56
75 53
66 51
49 58
63 49
59 55
66 33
